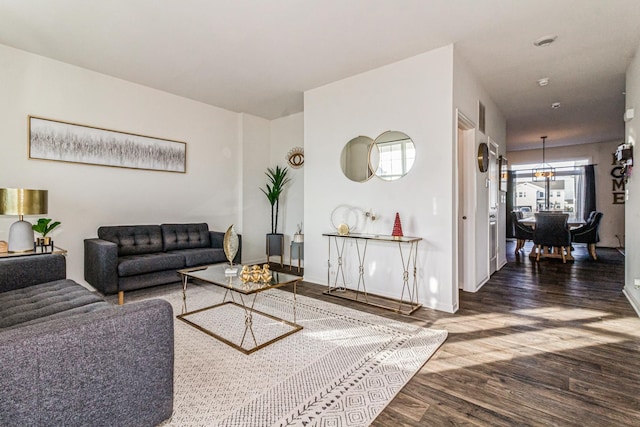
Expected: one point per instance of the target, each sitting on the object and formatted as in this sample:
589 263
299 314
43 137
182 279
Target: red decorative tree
397 227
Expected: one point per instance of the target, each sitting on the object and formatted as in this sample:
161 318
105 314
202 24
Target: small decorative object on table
298 237
343 230
43 228
3 247
397 227
266 273
255 274
245 275
230 246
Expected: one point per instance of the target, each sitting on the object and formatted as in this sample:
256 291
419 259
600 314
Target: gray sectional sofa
69 358
129 257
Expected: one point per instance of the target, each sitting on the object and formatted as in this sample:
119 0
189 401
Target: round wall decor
295 157
483 157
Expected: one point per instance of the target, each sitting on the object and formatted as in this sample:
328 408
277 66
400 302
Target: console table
408 247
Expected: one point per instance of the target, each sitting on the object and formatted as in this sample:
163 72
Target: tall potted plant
274 188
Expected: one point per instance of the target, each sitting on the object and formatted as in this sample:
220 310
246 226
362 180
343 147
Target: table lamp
21 202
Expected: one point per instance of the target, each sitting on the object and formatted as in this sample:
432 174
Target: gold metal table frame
247 293
408 301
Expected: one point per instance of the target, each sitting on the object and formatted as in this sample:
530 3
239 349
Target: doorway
494 208
465 203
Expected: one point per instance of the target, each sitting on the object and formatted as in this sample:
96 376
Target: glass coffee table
243 296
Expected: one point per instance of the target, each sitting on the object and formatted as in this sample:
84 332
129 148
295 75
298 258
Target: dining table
572 222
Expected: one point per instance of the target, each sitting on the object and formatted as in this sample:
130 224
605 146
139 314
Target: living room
228 152
227 155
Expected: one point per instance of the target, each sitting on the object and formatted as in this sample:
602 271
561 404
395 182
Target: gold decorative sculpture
230 246
255 274
266 274
245 275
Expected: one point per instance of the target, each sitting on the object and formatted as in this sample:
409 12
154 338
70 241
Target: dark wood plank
542 343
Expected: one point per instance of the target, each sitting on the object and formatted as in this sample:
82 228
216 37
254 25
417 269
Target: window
565 191
396 158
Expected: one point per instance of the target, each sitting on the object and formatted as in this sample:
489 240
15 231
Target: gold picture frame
74 143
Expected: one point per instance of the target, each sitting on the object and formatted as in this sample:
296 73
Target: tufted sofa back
133 239
185 236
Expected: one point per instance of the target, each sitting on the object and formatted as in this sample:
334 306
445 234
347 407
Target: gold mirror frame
483 157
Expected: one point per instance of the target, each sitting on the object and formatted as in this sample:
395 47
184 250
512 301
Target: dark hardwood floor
540 344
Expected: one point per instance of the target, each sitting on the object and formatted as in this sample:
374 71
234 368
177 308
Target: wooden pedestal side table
296 250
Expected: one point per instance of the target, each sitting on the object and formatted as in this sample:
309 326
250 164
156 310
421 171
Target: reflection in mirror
394 156
354 159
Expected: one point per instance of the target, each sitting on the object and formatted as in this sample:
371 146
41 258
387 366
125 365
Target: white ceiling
259 56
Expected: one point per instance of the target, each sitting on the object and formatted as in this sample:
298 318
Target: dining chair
551 231
588 233
521 231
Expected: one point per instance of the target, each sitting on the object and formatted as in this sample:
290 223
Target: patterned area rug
342 369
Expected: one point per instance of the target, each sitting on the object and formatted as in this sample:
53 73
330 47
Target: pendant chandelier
544 172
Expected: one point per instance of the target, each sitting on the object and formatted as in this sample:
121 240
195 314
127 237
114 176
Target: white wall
287 133
467 93
84 197
632 205
613 221
265 144
256 211
413 96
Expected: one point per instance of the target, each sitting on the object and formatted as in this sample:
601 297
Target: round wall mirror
394 155
483 157
354 159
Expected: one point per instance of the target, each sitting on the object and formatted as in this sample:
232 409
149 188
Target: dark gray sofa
129 257
69 358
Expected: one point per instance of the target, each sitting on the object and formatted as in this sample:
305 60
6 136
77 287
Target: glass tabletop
383 237
571 221
39 251
215 274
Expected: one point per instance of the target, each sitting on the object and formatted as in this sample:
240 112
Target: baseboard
481 283
635 303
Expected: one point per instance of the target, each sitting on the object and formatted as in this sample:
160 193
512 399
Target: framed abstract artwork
74 143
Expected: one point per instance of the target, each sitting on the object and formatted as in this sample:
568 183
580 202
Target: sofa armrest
217 241
101 265
21 272
108 367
